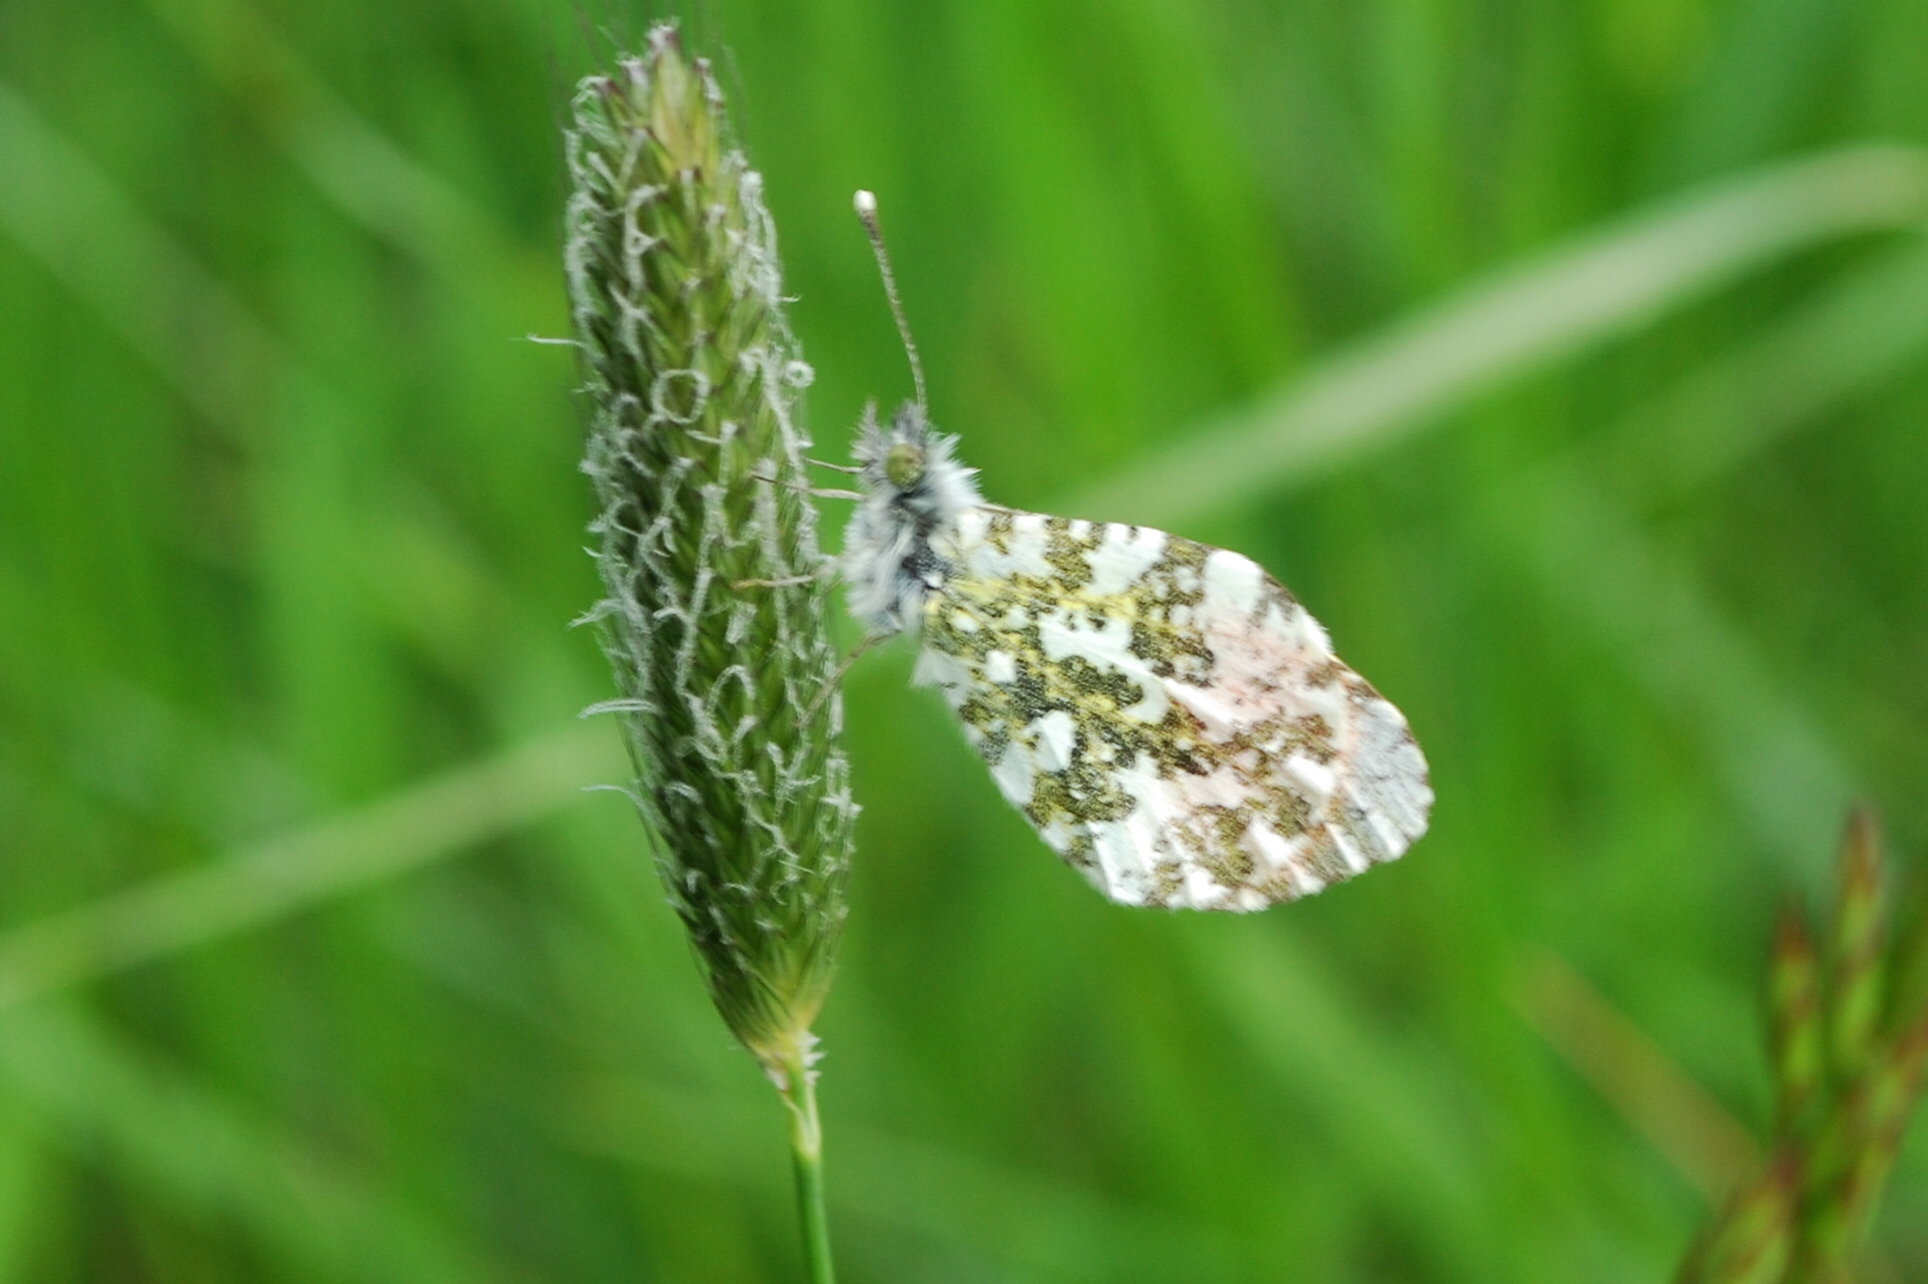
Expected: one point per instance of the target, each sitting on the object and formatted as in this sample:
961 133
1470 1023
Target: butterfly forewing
1167 716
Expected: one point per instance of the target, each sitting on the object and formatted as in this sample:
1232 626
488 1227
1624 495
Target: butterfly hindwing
1168 717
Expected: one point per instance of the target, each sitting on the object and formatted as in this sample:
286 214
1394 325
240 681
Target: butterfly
1165 714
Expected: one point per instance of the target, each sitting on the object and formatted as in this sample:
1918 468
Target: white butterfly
1165 714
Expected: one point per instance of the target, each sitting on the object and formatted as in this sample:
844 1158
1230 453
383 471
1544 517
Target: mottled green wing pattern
1167 716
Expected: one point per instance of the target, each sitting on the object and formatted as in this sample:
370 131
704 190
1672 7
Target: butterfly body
1168 718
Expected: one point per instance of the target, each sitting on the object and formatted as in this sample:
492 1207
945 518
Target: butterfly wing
1168 717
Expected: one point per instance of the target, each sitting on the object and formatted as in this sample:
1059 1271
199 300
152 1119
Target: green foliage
316 964
1848 1070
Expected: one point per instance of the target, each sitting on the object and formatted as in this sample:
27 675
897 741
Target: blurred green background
1567 360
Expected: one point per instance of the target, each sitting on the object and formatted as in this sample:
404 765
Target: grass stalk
799 1089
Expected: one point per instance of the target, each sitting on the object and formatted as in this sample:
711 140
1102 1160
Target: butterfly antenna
866 203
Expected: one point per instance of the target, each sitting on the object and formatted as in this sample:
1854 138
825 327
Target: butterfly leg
836 679
827 571
815 492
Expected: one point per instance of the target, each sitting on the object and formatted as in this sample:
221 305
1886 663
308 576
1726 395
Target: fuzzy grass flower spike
714 611
1848 1051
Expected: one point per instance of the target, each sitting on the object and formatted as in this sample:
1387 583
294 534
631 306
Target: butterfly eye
904 465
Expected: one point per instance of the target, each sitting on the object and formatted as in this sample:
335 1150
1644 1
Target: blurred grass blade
1908 970
428 822
1868 324
1410 1140
364 172
1675 1114
1586 552
24 1187
1771 59
1007 1221
1697 663
1587 555
1521 319
197 1155
65 210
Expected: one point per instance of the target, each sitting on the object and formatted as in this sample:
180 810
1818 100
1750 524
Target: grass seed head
695 447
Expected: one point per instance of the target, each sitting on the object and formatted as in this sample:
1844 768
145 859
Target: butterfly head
913 488
911 469
904 465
